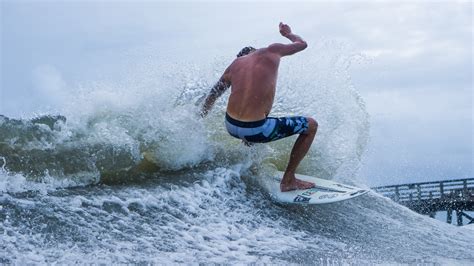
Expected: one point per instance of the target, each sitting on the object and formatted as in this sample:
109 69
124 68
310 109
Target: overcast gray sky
416 79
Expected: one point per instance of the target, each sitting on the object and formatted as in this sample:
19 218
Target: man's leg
301 147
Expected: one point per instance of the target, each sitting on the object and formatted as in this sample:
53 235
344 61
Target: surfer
253 75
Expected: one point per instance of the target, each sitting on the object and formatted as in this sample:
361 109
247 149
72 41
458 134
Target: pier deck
431 197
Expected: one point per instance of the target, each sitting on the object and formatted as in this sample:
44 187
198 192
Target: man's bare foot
294 184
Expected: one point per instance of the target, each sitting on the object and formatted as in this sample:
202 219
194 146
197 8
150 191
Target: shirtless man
253 77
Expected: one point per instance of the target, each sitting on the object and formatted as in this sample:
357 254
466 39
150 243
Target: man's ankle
287 172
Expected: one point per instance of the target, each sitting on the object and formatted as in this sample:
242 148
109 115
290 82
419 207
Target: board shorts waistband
244 124
266 130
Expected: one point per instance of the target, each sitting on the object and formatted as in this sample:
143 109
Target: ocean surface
129 173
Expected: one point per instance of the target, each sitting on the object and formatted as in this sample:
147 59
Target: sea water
127 172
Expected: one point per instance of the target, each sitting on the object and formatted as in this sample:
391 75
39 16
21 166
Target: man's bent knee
312 126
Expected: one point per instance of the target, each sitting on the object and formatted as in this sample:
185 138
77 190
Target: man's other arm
219 88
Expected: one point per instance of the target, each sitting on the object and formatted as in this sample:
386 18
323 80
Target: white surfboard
325 191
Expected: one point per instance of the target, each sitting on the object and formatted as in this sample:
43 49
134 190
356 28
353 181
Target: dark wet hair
245 51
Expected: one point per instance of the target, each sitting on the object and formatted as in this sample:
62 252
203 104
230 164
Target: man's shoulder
266 50
273 50
274 47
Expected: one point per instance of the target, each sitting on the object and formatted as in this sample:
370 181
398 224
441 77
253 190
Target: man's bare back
253 77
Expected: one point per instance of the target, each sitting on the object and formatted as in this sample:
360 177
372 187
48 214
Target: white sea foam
220 219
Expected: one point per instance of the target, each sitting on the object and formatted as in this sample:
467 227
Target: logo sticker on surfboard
301 199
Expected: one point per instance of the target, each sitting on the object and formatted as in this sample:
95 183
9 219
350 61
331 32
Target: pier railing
430 197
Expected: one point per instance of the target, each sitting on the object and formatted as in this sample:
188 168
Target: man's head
245 51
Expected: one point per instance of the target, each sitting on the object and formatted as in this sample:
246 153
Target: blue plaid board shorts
266 130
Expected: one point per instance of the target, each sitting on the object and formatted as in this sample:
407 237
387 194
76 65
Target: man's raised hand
284 29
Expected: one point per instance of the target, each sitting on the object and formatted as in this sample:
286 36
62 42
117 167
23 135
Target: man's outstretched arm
297 45
221 86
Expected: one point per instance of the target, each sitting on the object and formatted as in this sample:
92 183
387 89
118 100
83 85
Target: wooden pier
431 197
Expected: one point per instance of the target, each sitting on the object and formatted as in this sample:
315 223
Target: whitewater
127 172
